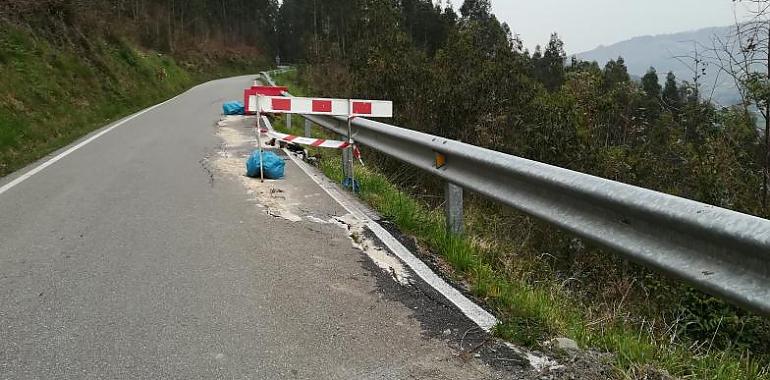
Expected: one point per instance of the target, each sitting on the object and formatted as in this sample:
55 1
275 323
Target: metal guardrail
722 252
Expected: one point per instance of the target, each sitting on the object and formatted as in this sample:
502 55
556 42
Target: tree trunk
315 28
766 166
766 169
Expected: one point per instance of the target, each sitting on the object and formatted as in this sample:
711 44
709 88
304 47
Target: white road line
71 150
474 312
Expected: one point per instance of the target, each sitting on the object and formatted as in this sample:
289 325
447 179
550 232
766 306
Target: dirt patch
277 198
584 365
282 199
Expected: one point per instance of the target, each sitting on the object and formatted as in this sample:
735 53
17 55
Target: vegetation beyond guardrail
534 312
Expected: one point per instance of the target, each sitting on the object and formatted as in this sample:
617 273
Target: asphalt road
134 257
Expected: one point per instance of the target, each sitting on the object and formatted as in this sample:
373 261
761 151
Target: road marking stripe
474 312
71 150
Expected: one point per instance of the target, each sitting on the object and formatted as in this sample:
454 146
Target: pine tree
615 72
672 99
652 90
549 65
651 84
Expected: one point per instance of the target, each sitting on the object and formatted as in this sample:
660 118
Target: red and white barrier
349 108
317 143
250 96
322 106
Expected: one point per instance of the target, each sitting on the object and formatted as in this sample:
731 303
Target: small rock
447 332
565 344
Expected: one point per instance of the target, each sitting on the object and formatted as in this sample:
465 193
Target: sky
585 24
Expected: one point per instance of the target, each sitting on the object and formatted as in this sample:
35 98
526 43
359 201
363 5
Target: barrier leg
261 154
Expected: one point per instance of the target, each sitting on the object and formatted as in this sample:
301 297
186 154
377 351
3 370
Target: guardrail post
288 121
347 162
308 127
453 195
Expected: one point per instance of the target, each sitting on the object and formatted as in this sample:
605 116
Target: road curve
133 257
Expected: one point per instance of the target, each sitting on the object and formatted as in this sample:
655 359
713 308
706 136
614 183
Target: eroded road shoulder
462 349
429 339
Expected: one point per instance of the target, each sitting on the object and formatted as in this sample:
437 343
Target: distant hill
659 51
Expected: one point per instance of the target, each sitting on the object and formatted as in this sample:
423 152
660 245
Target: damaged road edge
478 315
368 236
482 318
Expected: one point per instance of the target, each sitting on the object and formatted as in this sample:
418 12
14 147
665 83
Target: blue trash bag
233 108
273 165
352 185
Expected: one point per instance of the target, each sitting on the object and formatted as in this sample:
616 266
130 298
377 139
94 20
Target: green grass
50 95
530 313
291 76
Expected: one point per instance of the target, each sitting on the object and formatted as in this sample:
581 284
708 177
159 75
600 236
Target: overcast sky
586 24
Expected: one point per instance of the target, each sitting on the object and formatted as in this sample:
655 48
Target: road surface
144 255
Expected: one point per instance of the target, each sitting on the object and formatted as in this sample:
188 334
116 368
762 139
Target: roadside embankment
58 86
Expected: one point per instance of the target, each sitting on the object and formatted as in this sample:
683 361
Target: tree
672 99
745 56
476 9
549 65
426 23
165 25
652 90
651 84
697 65
615 72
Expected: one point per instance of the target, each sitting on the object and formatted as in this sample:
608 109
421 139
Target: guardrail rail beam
722 252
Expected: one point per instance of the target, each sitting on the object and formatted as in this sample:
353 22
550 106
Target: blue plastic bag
233 108
273 165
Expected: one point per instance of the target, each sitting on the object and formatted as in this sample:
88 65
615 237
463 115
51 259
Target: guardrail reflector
440 160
